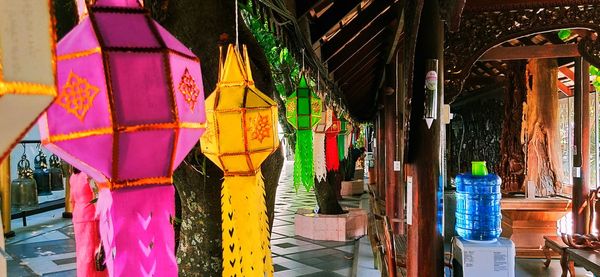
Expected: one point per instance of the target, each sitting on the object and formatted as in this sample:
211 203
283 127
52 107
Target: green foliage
279 57
564 34
595 76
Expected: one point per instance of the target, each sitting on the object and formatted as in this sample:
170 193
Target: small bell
41 174
56 174
23 189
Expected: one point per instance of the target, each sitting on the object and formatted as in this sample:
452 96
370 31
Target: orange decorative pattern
77 96
260 127
189 89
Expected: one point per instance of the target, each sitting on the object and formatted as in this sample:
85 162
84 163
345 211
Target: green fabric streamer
304 173
341 147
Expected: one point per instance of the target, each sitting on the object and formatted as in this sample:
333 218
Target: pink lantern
130 107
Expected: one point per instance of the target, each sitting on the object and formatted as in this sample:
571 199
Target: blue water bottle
478 216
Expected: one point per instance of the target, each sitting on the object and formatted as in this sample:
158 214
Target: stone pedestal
343 227
527 221
350 188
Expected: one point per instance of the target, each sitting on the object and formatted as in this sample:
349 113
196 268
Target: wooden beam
331 17
372 17
507 5
564 89
531 52
567 72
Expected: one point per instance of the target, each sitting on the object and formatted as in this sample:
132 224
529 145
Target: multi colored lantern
130 108
319 143
303 112
27 69
241 133
331 144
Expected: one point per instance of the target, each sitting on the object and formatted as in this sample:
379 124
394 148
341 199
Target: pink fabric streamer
137 233
87 236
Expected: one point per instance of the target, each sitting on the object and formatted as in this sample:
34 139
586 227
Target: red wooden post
381 156
390 156
581 155
425 247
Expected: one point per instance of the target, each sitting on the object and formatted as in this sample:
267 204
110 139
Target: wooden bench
556 244
588 259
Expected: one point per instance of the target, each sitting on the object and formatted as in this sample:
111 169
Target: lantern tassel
246 236
136 230
304 173
319 156
341 145
331 152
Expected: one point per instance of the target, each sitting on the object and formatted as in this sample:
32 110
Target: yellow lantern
241 133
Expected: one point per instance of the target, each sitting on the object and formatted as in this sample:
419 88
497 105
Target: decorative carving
493 28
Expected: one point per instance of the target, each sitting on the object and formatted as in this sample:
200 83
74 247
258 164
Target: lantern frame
107 47
304 107
263 126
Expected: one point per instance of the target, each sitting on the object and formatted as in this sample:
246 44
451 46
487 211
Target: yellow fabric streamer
246 246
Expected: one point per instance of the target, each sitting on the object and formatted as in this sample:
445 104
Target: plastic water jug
478 215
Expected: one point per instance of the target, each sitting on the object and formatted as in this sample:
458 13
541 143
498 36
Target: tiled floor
46 247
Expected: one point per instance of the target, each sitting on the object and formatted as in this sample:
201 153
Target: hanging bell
41 174
56 174
23 190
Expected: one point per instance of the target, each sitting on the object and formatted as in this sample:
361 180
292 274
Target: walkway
48 248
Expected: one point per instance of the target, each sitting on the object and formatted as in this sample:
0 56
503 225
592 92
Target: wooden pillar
541 128
425 255
381 156
581 154
67 172
5 196
390 157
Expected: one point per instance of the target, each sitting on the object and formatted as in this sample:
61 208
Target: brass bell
41 174
56 173
23 190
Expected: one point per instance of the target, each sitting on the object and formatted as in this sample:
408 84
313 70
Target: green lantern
303 112
342 147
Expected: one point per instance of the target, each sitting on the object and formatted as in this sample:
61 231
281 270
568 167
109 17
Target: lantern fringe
136 230
331 152
319 156
304 173
341 145
246 236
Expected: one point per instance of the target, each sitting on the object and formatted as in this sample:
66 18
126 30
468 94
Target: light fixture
431 94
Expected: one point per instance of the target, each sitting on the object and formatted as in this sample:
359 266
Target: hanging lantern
241 133
303 112
56 174
319 143
27 70
342 150
331 144
130 108
23 192
41 174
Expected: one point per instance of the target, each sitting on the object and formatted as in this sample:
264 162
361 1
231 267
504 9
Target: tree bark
327 198
199 25
541 129
512 157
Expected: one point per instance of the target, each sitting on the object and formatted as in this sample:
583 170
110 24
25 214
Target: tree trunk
327 198
199 25
512 157
540 127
